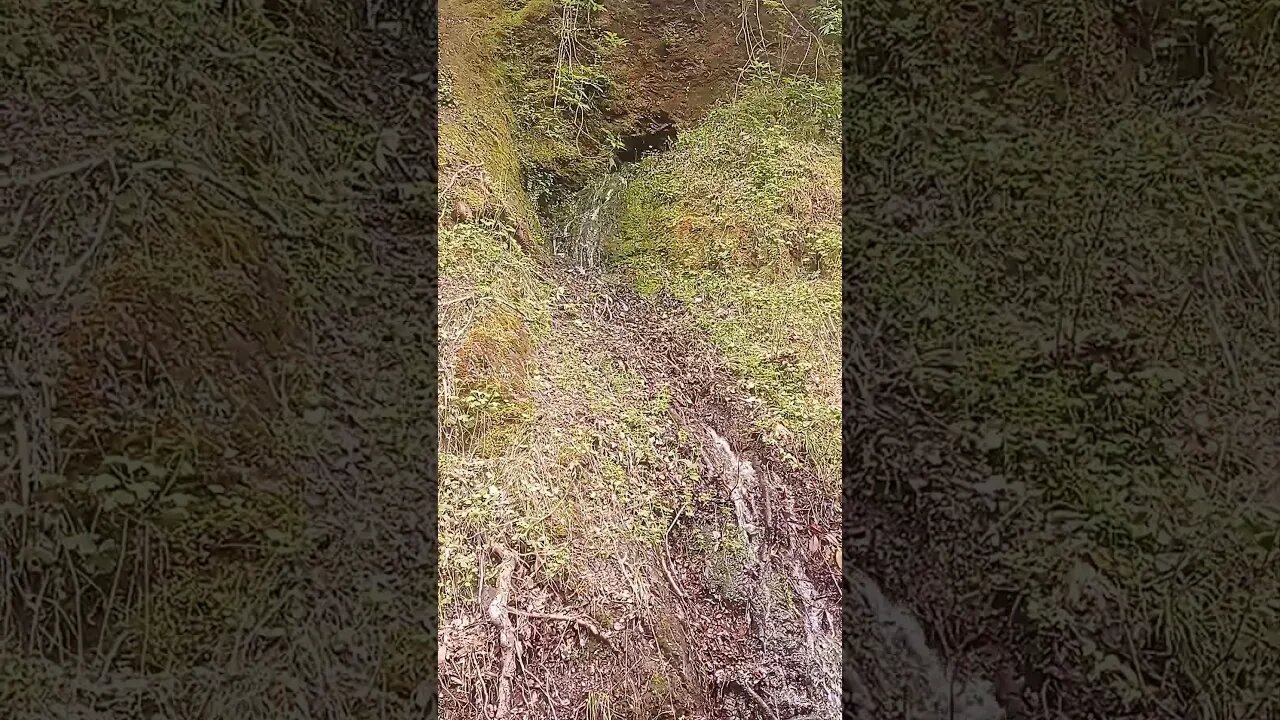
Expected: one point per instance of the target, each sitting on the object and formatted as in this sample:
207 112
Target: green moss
660 687
741 222
559 120
478 128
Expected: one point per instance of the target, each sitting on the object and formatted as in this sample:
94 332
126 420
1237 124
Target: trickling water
818 651
895 672
593 216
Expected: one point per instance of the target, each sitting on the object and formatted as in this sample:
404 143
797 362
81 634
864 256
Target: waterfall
593 217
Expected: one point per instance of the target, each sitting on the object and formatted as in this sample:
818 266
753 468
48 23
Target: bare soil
683 57
714 652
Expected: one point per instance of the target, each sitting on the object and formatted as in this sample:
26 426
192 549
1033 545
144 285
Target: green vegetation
554 70
572 486
1075 234
545 444
560 438
167 415
827 17
505 315
479 157
740 223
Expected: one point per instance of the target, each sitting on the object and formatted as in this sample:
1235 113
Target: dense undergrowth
1067 215
199 220
519 408
739 222
547 443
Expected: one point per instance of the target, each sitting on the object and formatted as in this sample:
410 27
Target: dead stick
583 623
755 697
498 615
671 578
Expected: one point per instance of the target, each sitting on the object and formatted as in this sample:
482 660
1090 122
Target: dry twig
583 623
754 697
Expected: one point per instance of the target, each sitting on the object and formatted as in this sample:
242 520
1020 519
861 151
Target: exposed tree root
499 615
583 623
752 695
500 611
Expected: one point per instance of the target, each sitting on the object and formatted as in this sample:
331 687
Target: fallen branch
671 578
448 185
755 697
498 615
666 546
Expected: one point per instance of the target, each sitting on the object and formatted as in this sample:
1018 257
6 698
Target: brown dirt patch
683 57
683 622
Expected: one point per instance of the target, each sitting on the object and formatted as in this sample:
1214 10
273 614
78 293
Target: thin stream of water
593 216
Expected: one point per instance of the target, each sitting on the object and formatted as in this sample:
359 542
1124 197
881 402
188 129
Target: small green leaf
103 482
117 499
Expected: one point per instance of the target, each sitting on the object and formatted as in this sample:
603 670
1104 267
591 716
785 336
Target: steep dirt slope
621 535
682 57
730 603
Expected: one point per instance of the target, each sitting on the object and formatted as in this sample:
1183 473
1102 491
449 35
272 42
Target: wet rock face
594 215
894 669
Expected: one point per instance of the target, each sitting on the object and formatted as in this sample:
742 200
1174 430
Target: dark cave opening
658 133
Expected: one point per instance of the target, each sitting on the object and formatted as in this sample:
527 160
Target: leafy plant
611 42
582 87
827 16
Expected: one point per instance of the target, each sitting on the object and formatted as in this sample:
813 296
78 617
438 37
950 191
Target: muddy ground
725 653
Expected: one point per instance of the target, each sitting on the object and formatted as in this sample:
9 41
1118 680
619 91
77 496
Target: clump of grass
587 454
580 447
740 221
493 320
